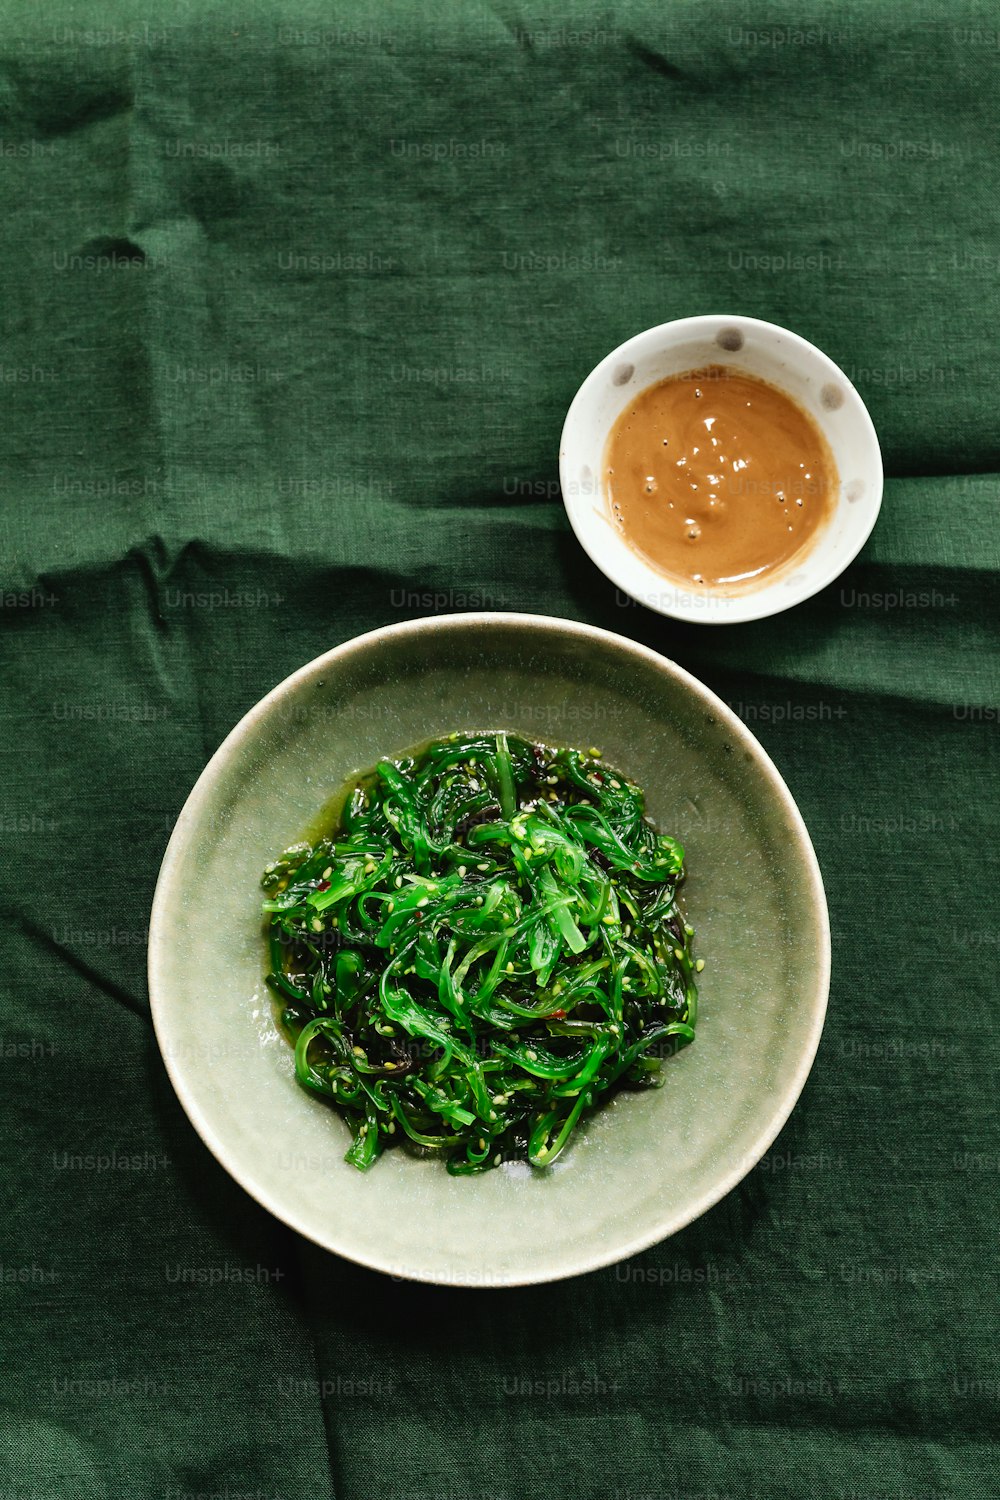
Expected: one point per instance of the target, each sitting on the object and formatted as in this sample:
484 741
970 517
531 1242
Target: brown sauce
718 479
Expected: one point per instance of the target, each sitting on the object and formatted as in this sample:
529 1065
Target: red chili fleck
323 885
557 1015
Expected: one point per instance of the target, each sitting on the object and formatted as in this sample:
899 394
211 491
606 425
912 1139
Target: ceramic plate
641 1168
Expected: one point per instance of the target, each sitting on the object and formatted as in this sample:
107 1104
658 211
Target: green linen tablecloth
294 300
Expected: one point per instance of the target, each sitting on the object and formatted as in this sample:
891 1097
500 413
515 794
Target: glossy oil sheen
328 825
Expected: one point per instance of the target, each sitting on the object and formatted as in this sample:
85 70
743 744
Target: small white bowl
773 354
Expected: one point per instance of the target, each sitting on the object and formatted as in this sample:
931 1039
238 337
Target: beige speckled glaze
642 1168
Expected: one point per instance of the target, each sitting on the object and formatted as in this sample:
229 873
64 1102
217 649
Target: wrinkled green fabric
293 306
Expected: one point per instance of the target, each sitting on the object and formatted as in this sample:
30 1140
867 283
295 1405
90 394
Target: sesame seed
327 873
399 881
358 1051
699 965
317 925
369 867
461 870
482 867
496 1159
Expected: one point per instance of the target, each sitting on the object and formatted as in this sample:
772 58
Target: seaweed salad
485 949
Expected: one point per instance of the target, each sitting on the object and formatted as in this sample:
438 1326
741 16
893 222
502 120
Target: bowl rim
660 586
187 822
